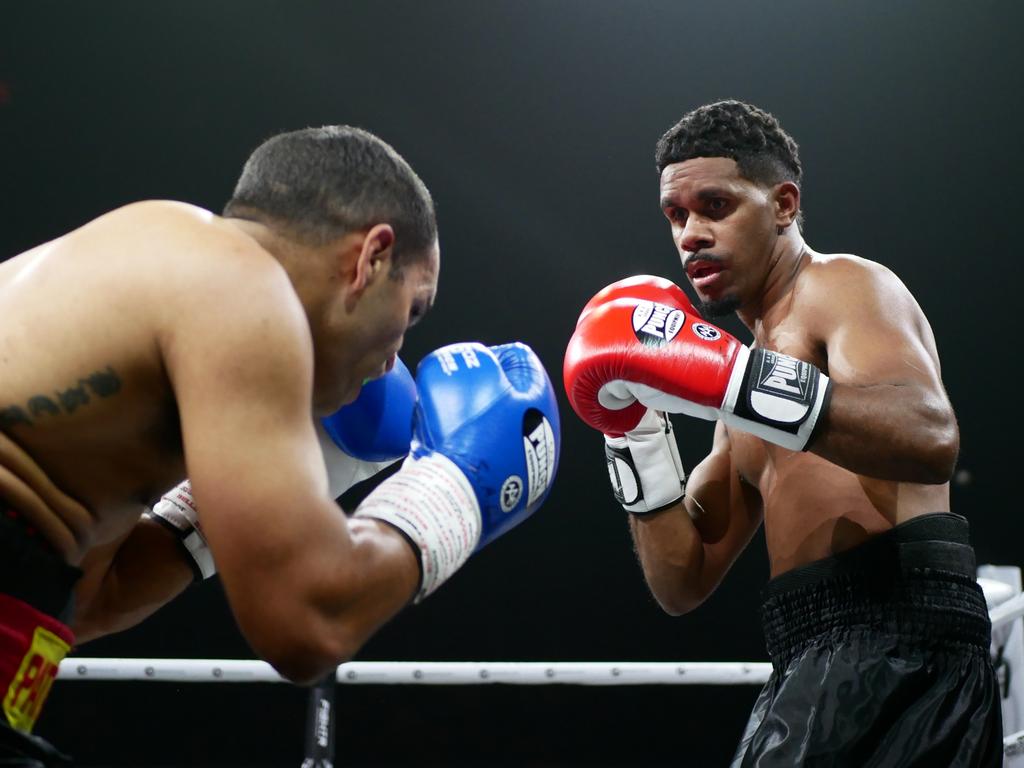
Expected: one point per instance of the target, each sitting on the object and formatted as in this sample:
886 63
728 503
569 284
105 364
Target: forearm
382 577
890 432
327 603
671 553
146 571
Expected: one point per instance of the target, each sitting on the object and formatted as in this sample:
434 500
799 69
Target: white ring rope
472 673
1003 609
427 672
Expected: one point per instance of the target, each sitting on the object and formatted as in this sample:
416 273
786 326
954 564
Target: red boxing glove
640 343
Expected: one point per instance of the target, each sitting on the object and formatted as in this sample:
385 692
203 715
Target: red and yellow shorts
32 646
35 594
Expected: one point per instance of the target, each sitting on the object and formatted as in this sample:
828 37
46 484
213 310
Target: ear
787 203
375 254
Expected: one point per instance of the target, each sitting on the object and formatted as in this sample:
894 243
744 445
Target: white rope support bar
1006 612
1013 745
426 672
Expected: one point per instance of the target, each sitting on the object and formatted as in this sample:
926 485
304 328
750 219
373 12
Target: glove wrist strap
433 504
777 398
644 466
176 511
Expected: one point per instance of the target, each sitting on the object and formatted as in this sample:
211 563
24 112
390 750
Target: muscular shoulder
833 288
196 261
183 237
213 290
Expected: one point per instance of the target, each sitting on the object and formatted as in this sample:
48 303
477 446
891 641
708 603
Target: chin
324 404
715 308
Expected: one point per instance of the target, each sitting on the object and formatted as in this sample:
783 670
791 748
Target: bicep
244 396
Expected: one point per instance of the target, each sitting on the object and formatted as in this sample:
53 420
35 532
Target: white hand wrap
176 511
644 466
430 501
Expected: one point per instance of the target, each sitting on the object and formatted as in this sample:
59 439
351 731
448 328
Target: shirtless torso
813 508
87 408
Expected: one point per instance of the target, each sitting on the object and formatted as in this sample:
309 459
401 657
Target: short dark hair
318 184
764 153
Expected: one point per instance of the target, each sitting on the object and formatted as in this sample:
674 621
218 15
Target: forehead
702 172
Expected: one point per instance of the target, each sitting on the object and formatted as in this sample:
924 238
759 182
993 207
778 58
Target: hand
629 353
485 449
176 511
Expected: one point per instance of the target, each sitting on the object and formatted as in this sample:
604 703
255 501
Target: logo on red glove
706 332
656 324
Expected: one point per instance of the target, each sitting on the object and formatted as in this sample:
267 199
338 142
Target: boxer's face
724 228
366 345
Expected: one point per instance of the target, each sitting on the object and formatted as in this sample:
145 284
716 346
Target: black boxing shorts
880 657
35 601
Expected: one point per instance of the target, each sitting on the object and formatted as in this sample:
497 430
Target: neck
293 257
267 238
789 255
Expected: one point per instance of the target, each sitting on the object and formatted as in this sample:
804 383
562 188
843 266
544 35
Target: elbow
306 663
678 606
676 601
303 646
940 456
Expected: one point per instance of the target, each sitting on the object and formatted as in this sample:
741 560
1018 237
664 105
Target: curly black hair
764 153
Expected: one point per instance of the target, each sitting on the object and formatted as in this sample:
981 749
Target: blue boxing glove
368 434
377 426
485 446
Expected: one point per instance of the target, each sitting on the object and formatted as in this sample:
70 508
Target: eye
676 215
717 204
416 312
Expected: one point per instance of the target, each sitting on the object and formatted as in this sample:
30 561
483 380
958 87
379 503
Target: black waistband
917 580
31 571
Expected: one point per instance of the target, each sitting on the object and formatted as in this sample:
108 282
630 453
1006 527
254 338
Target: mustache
702 256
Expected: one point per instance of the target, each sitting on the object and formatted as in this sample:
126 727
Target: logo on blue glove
511 492
540 449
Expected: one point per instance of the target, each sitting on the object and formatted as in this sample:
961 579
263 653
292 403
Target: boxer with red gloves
833 429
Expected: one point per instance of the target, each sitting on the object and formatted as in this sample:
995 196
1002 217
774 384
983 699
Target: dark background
533 124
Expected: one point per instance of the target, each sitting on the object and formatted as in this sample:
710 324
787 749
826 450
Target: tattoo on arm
103 384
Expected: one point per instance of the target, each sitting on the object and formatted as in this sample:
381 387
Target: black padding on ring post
320 724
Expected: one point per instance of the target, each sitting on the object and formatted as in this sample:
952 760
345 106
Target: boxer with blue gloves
303 290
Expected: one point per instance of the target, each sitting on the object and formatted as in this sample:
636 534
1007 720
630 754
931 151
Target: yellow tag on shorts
28 690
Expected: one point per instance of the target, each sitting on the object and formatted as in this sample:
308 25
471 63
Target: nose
695 235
